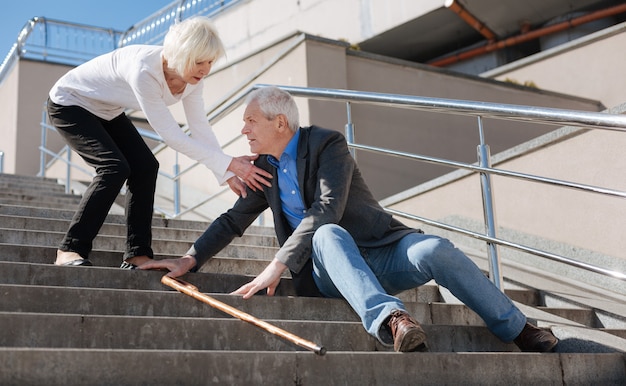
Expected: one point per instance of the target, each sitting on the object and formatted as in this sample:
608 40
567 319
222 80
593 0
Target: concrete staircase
106 326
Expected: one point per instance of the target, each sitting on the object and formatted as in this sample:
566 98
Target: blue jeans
367 278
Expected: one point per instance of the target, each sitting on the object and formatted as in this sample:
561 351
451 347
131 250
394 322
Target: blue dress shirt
290 196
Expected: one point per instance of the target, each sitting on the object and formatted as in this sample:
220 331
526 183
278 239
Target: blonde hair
273 101
190 41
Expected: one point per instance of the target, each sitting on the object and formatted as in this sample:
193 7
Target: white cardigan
132 78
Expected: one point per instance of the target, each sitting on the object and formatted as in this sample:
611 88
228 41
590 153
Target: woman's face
197 72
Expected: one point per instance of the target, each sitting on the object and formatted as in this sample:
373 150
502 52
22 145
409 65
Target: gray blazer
334 192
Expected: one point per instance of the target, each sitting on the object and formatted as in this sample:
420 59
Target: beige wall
324 63
35 80
452 137
8 119
22 96
591 67
580 219
248 26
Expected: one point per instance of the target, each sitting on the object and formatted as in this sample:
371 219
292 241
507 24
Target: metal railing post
44 136
350 130
1 162
484 160
68 169
176 186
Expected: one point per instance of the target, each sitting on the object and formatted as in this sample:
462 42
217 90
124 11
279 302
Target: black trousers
118 154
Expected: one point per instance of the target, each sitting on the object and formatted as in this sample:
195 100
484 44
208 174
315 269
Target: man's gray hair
190 41
274 101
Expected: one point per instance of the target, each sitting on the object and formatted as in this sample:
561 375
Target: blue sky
116 14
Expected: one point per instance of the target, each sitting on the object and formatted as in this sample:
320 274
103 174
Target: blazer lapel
301 162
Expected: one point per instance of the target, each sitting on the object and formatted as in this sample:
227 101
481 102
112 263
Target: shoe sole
414 340
550 347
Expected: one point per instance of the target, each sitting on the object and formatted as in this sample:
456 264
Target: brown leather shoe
535 339
407 332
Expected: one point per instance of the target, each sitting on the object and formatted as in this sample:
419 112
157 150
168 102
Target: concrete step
184 367
28 196
175 247
166 302
47 254
157 221
28 180
182 333
208 280
31 186
23 223
111 326
98 301
40 204
104 277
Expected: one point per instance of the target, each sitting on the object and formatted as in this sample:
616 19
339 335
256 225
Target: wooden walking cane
191 290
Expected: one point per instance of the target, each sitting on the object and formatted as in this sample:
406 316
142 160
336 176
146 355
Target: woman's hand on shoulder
237 186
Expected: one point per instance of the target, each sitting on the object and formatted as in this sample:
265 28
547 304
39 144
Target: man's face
264 135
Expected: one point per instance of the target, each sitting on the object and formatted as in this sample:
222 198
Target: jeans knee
445 255
325 236
326 232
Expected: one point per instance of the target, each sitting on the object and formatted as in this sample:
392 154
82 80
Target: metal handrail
70 43
152 29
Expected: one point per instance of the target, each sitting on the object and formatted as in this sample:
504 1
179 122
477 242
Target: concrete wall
250 25
22 96
578 225
324 63
591 67
8 119
438 135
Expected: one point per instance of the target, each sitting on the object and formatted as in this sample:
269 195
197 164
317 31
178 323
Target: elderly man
338 242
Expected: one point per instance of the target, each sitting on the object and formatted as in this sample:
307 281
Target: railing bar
547 255
491 110
219 192
56 156
500 172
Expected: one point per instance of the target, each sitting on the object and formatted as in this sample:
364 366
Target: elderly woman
87 107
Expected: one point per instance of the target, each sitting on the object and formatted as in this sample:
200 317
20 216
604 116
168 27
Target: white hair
273 101
190 41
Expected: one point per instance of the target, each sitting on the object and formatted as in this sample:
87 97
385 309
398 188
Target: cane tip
321 351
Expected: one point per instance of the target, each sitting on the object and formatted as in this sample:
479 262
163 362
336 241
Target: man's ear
282 122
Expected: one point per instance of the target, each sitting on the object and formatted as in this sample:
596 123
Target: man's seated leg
448 266
341 272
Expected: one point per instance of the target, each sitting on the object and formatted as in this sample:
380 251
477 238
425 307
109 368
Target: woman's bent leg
141 186
86 135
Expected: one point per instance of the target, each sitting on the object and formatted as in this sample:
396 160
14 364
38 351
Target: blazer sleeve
227 226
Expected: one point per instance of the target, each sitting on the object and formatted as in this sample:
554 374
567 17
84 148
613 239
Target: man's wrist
190 262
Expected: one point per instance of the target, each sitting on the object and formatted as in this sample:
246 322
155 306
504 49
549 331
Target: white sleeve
202 148
201 130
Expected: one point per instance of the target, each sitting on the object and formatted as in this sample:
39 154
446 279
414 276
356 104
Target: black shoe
534 339
79 262
407 333
126 265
